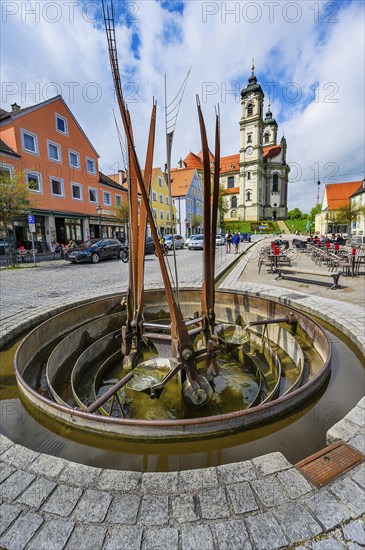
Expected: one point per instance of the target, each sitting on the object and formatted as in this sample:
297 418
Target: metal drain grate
327 464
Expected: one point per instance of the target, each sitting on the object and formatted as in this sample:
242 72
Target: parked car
179 241
356 239
95 250
150 245
245 237
196 242
219 240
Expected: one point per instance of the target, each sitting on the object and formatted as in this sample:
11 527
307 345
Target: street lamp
318 185
99 211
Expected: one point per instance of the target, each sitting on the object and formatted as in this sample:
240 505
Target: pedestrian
236 240
71 244
228 241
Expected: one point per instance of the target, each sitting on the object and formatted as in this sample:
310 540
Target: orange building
69 197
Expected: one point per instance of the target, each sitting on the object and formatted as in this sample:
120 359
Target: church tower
270 129
251 150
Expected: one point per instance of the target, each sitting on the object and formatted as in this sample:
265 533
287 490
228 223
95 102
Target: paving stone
156 539
154 510
295 484
232 535
357 416
271 463
128 538
19 456
358 474
124 509
354 531
54 535
296 522
269 491
350 494
184 508
116 480
361 403
48 466
87 537
236 472
197 537
5 443
194 481
8 513
327 509
265 531
354 546
21 531
5 471
15 484
328 543
341 430
165 483
63 500
78 474
37 493
242 497
213 504
358 442
93 506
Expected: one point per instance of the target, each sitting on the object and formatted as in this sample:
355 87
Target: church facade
256 180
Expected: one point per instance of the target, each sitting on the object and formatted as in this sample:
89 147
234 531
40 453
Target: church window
267 138
250 110
248 175
275 183
248 195
230 184
234 202
249 138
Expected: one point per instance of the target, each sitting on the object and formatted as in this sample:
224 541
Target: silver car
219 240
179 241
196 242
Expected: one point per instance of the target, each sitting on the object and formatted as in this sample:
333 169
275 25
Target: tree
345 215
121 212
315 210
13 201
295 214
223 206
196 220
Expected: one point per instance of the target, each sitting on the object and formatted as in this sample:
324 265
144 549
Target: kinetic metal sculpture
180 339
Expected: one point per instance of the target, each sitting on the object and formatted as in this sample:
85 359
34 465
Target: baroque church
255 180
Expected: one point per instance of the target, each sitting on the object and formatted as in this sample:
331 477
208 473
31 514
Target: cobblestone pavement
264 503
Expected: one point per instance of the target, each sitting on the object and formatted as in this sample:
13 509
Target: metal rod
108 394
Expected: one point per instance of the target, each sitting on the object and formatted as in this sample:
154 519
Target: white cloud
219 52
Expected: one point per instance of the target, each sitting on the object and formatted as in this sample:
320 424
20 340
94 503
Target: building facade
69 197
187 196
335 197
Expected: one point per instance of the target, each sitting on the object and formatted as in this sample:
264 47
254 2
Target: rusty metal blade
215 202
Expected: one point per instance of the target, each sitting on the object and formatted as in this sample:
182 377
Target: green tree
295 214
196 221
315 210
121 212
13 202
345 215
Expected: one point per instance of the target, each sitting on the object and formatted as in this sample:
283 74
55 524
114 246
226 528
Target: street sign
31 223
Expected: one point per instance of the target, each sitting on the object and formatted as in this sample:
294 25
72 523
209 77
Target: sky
308 56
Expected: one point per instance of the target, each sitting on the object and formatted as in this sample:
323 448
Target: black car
95 250
150 245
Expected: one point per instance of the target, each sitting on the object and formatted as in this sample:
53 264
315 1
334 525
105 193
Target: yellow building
160 202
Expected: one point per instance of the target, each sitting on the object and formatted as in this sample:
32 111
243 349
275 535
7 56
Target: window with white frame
168 216
57 188
76 191
118 200
161 215
154 196
74 159
93 195
155 213
54 151
160 181
90 165
161 199
107 198
167 200
29 142
33 182
6 170
61 124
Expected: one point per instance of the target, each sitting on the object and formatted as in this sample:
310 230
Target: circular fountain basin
56 361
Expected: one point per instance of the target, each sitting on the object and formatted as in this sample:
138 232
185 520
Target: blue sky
308 59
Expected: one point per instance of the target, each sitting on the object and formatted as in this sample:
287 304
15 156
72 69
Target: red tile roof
338 194
180 181
271 151
230 163
193 161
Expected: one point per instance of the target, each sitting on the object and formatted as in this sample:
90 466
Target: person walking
236 240
228 241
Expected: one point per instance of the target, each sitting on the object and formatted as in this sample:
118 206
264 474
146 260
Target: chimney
15 108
